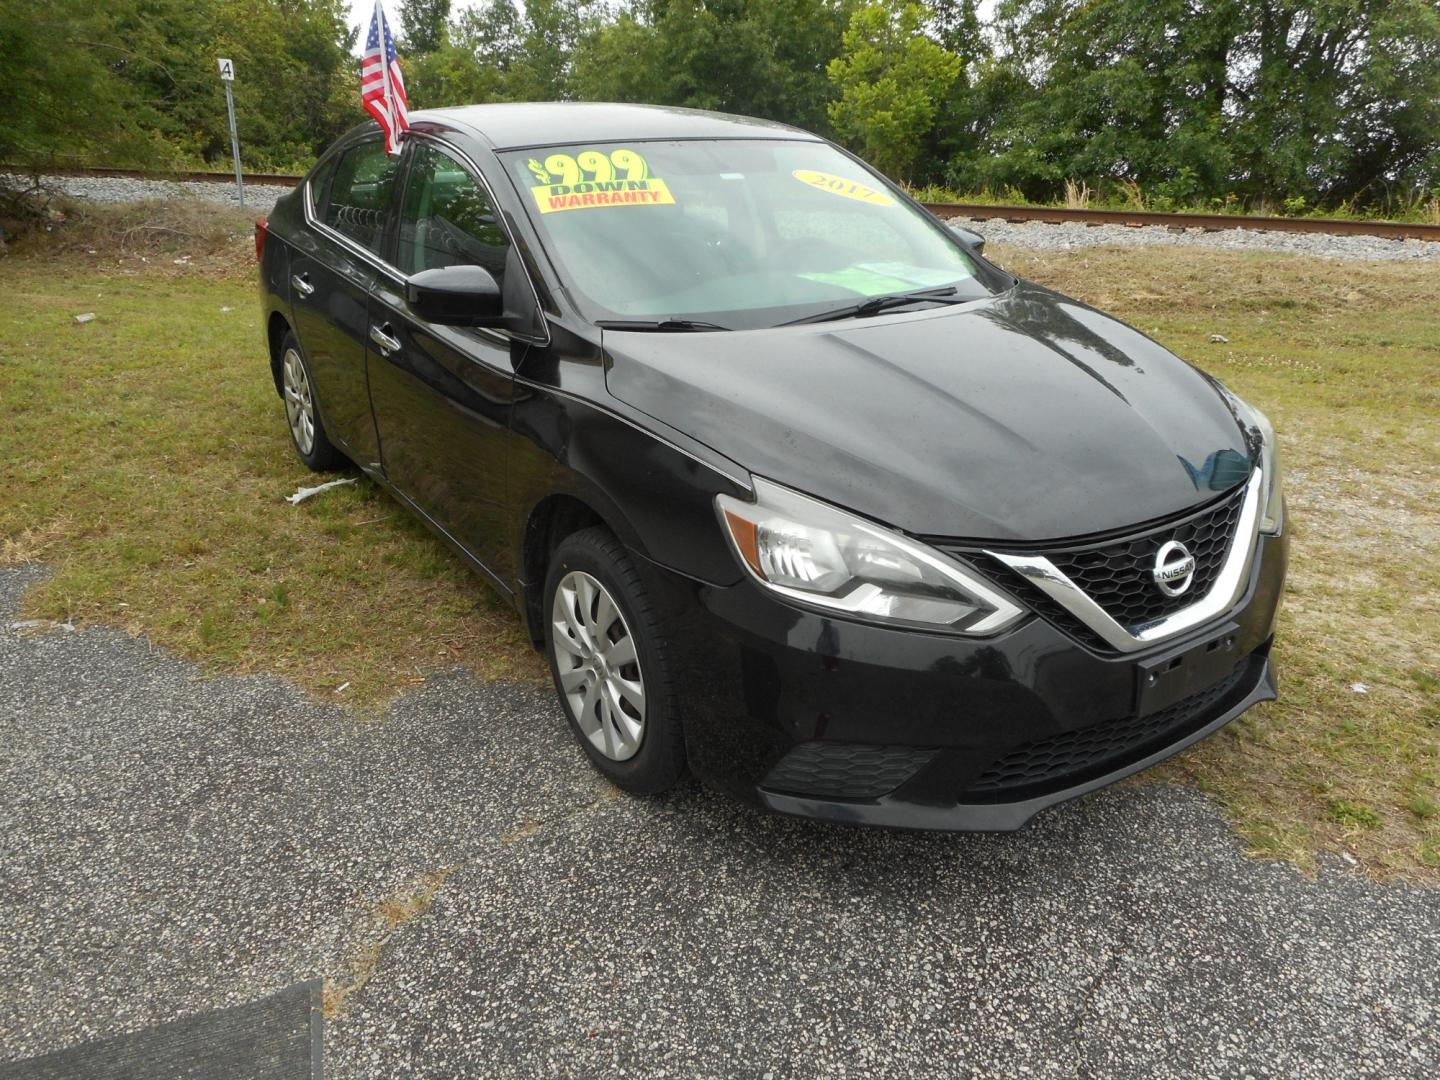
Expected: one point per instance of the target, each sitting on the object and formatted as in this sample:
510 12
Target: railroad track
974 211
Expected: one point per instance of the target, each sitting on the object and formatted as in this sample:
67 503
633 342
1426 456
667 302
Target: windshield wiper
673 326
877 304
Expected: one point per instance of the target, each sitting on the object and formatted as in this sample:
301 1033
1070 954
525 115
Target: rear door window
361 192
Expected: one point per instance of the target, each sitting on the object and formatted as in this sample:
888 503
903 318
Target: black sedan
796 490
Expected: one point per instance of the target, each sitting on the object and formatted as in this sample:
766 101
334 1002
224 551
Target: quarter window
447 218
361 192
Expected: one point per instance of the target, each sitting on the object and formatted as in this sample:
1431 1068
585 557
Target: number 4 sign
227 70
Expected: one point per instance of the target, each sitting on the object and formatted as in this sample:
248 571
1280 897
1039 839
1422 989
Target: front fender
655 496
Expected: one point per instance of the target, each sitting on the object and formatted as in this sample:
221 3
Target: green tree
423 24
758 58
1316 100
498 52
134 82
891 80
60 93
1336 100
955 25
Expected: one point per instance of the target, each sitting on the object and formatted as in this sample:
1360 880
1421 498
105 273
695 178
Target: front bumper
850 722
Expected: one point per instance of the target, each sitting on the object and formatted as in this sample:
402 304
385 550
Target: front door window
447 218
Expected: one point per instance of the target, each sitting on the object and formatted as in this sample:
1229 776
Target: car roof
514 125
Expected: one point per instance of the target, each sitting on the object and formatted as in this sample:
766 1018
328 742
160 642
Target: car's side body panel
442 405
476 451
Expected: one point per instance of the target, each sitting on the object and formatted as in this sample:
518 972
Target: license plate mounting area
1163 680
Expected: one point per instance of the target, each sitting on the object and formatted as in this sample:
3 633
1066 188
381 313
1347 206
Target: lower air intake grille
846 770
1075 756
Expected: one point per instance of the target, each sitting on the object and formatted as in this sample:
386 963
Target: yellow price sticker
594 178
588 194
838 185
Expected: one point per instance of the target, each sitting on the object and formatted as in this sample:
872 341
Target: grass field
143 457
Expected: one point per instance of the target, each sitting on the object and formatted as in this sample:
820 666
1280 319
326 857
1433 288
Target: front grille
846 770
1061 761
1116 574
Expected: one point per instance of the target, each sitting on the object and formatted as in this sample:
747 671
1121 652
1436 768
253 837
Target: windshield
738 233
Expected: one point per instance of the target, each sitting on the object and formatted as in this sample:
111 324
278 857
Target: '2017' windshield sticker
838 185
594 178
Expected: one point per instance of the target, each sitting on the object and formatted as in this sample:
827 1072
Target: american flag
381 88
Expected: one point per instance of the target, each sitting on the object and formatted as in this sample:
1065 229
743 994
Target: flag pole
394 134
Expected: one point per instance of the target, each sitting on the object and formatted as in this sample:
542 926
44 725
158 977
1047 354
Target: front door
442 394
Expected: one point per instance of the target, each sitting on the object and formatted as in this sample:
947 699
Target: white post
227 76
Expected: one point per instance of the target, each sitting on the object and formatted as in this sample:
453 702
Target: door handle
386 342
302 284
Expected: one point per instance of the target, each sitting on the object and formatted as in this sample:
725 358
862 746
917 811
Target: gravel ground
1037 235
1032 235
119 189
175 844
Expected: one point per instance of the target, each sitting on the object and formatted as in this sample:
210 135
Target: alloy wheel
598 666
299 402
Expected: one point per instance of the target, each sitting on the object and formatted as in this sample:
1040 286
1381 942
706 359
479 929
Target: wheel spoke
605 616
573 680
570 600
585 589
621 652
589 721
625 726
608 728
631 691
567 644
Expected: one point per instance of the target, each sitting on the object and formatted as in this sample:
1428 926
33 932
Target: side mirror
971 239
456 296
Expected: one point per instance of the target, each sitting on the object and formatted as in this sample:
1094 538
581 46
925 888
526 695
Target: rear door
442 394
330 285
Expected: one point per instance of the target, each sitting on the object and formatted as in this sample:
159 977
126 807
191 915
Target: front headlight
1259 429
819 555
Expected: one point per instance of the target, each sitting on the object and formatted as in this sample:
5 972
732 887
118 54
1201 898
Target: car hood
1023 417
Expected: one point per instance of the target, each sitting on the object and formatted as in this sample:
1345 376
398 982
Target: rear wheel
302 411
609 659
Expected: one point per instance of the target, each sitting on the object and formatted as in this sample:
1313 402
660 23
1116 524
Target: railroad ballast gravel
1034 235
123 189
1041 236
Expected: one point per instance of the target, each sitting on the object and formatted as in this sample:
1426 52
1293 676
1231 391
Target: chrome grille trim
1229 585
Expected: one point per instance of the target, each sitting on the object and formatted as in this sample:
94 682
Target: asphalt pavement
485 905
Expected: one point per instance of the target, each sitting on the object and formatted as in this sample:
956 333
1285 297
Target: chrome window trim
1228 587
394 272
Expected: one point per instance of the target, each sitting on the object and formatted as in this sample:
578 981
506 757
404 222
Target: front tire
610 662
302 410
